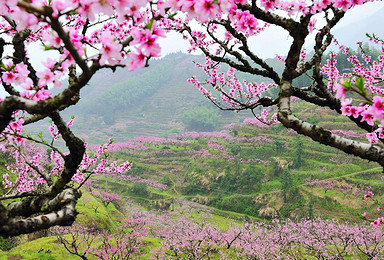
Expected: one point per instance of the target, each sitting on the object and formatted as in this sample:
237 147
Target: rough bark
57 211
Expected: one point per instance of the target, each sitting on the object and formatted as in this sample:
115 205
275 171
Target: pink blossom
147 41
8 77
111 50
45 77
378 104
137 60
205 9
268 4
372 138
18 76
340 91
311 25
368 117
343 4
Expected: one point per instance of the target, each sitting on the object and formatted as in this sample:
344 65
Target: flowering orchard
82 37
307 239
181 236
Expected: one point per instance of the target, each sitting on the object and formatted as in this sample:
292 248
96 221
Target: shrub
140 189
201 119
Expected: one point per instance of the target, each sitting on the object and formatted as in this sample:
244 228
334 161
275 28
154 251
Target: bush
140 189
6 244
286 210
242 181
201 119
239 204
167 180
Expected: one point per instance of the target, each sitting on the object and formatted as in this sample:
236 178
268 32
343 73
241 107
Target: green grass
223 223
3 255
270 186
104 217
150 245
30 250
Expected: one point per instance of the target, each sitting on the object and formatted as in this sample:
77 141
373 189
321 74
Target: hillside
218 184
258 171
150 101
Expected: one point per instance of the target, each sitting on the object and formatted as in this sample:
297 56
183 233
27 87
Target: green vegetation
201 119
253 170
125 94
6 244
91 210
140 189
46 248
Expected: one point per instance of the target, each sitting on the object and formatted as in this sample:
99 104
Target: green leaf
346 83
150 24
48 48
360 84
172 15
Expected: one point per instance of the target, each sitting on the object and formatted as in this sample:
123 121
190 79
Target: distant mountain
355 32
149 101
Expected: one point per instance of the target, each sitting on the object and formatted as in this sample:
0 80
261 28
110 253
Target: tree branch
320 47
62 212
73 159
370 152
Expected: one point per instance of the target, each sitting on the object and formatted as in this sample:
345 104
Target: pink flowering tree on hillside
106 197
80 38
125 242
229 37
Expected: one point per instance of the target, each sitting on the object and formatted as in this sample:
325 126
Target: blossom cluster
231 89
364 79
182 236
98 164
29 168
